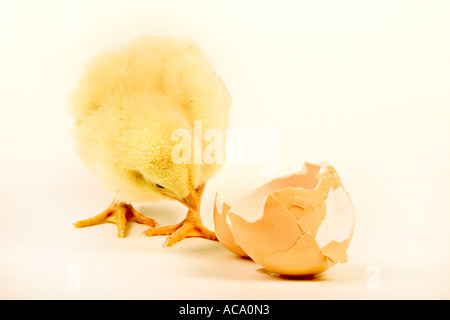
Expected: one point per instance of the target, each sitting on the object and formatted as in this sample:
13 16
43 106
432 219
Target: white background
362 84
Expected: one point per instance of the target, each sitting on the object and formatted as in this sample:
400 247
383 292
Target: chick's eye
159 186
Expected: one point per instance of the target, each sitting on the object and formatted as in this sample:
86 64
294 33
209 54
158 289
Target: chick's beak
191 201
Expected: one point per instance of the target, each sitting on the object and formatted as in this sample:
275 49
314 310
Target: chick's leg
119 213
191 226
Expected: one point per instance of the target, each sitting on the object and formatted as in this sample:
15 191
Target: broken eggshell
223 229
297 225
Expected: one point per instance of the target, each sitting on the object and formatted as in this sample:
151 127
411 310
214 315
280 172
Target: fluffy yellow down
126 107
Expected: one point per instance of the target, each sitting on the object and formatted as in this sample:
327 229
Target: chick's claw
192 226
119 213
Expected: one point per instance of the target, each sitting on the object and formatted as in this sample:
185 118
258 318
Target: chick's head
158 176
133 151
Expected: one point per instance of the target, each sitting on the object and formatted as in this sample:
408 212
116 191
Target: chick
126 108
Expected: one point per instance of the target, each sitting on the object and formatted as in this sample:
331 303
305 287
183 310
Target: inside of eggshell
338 224
250 207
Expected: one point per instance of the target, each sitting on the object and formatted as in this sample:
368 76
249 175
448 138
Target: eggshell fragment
297 225
223 231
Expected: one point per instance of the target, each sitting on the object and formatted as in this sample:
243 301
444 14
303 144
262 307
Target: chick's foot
191 226
119 213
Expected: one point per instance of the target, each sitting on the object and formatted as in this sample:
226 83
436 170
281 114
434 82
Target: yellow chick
127 107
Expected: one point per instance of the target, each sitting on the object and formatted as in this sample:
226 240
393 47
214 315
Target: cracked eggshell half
222 229
297 225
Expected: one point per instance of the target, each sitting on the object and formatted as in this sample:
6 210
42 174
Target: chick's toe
119 213
191 226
